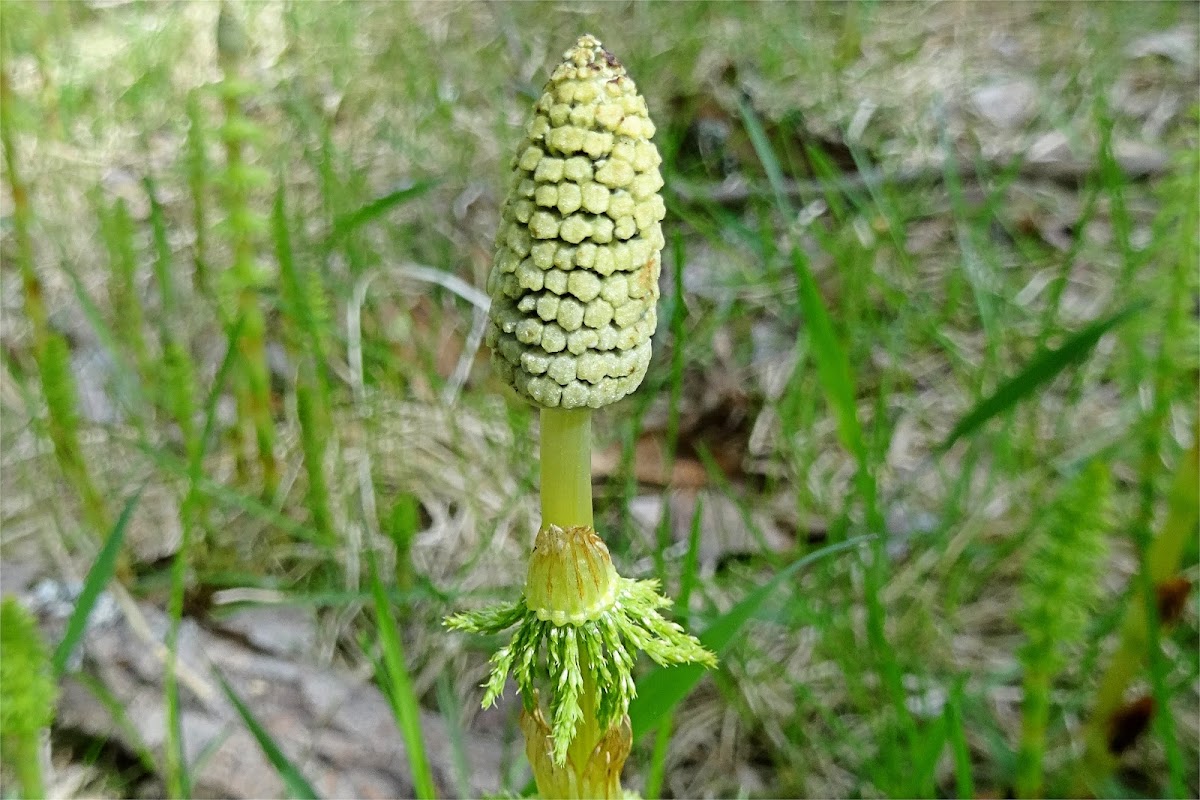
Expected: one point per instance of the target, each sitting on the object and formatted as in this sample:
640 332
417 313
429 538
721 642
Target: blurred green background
931 277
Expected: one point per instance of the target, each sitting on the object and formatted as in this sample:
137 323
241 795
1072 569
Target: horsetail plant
240 284
179 391
1060 589
303 305
197 180
177 367
116 227
51 353
1128 660
27 695
574 286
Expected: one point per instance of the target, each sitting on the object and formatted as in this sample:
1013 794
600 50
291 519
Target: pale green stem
26 756
566 458
589 732
567 467
1034 717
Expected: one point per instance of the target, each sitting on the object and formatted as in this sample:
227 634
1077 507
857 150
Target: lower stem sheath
566 457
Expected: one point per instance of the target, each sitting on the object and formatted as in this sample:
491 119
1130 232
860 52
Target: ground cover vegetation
916 452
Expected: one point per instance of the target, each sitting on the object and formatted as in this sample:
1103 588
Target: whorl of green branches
27 694
240 285
1060 589
26 681
128 322
50 350
1061 576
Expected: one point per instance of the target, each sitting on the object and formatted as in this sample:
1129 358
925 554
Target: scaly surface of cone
574 283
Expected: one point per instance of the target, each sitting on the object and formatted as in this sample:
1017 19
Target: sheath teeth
571 577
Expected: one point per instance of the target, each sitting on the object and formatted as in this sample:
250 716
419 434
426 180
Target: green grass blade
975 268
837 383
766 153
219 381
404 700
688 578
451 712
1042 369
833 367
294 782
964 782
347 223
226 496
658 760
127 376
296 303
209 750
929 748
116 710
163 272
689 573
192 516
660 690
97 578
